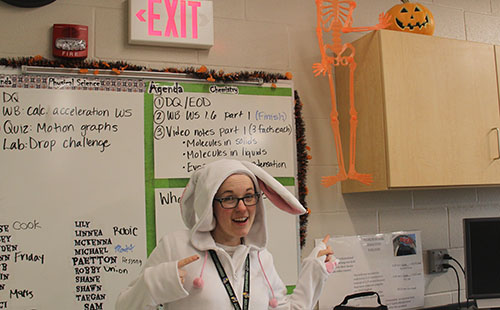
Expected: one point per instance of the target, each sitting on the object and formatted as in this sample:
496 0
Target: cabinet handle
498 139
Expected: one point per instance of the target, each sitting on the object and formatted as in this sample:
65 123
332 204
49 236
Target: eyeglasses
232 202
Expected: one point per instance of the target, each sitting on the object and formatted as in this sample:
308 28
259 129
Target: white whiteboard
71 194
79 180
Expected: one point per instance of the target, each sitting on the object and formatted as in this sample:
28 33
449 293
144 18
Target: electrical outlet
436 260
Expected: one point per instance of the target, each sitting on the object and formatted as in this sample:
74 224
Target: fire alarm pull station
70 41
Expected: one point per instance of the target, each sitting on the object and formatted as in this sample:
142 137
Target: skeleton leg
353 174
334 122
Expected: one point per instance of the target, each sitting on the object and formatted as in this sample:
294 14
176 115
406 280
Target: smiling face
411 17
233 224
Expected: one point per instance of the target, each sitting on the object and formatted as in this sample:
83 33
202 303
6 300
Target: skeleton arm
384 21
323 67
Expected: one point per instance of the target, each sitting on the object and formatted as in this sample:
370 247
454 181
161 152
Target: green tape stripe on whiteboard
149 174
182 182
242 89
150 182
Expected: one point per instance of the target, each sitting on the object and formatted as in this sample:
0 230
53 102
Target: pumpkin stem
405 1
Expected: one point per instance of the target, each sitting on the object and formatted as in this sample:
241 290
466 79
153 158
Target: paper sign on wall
389 264
178 23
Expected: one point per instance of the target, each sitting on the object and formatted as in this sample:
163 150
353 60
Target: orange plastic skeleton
335 16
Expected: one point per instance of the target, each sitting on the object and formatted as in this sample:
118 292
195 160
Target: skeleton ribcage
336 13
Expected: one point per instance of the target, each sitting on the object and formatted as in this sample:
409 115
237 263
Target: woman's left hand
328 251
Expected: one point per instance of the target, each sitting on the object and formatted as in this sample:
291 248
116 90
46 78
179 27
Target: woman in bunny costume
221 262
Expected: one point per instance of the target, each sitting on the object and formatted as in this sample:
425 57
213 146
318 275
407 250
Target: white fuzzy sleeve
312 279
309 285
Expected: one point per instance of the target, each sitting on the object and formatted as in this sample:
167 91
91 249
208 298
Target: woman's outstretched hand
184 262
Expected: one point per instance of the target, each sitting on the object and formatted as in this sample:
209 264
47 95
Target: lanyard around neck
227 284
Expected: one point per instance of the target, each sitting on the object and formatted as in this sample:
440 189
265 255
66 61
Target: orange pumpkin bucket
411 17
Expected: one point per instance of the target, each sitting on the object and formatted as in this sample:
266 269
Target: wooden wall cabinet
427 109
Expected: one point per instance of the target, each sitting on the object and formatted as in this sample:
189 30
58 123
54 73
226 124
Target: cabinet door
441 103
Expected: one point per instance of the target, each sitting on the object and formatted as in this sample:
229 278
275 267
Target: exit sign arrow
139 15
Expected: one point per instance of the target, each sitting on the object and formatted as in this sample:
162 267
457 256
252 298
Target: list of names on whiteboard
15 256
10 253
97 254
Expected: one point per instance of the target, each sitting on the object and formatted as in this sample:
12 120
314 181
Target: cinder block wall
279 36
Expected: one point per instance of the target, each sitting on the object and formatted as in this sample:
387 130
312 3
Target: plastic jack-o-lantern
411 17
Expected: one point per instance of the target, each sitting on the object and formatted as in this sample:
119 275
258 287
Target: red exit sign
180 23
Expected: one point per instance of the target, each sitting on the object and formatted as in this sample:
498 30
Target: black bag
342 305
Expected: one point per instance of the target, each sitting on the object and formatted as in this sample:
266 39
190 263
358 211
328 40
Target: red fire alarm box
70 41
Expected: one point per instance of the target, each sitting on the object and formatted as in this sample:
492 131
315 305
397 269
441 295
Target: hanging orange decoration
411 17
202 69
335 17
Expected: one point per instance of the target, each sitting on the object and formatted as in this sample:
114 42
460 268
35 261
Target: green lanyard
227 284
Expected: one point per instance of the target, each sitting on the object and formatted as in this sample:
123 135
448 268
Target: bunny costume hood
197 201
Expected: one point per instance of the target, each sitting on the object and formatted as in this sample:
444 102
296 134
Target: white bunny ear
276 192
187 203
